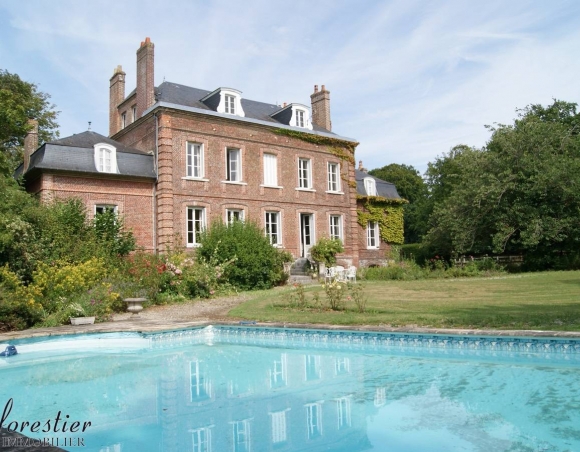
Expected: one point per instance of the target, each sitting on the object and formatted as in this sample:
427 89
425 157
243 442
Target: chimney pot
284 104
30 143
322 88
315 88
360 165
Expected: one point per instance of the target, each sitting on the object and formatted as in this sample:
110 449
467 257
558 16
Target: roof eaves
244 119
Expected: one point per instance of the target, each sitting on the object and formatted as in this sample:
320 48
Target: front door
306 233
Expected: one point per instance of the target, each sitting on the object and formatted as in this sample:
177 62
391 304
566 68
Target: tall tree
520 193
20 101
410 185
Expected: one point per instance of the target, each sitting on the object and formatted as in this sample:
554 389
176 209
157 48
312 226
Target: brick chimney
321 108
145 83
116 96
30 143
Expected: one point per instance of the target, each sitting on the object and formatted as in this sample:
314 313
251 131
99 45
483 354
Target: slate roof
190 97
76 154
384 188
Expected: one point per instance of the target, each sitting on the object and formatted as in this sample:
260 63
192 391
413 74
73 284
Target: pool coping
139 325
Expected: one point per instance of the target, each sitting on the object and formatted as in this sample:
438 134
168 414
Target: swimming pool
230 388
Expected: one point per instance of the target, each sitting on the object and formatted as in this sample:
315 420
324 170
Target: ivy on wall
388 213
342 149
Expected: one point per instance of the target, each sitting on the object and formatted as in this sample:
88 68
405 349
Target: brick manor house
178 158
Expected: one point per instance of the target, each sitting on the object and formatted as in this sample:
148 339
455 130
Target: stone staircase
300 272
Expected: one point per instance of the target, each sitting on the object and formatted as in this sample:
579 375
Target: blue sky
408 79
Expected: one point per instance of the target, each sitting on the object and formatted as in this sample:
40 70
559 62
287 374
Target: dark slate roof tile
384 188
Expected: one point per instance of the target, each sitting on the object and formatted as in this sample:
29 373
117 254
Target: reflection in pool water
250 389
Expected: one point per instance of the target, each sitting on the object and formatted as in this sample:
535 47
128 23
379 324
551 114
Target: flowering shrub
335 295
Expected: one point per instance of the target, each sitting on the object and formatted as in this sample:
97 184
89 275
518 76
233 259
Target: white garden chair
339 269
350 274
329 274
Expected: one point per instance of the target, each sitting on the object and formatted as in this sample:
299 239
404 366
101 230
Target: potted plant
81 319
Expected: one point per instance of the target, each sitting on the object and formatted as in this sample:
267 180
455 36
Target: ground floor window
273 228
372 234
102 208
336 227
195 224
234 215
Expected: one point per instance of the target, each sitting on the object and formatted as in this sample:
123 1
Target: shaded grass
545 301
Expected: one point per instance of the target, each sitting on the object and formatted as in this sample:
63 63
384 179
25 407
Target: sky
408 79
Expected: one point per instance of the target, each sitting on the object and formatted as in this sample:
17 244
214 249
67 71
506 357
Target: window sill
305 189
334 192
193 245
271 186
198 179
232 182
373 248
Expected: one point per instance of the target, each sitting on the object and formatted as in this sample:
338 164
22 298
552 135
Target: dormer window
230 104
299 118
106 158
370 186
225 100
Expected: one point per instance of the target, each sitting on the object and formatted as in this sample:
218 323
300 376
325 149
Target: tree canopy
19 102
520 193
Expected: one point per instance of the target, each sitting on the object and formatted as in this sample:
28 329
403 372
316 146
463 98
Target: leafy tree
20 101
411 186
518 194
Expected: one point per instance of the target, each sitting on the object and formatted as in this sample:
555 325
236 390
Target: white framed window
370 186
233 165
230 104
341 366
102 208
273 229
304 173
105 158
194 160
312 370
314 419
241 433
380 398
271 170
343 412
201 439
333 177
300 118
279 430
335 225
134 112
279 372
123 120
195 224
200 385
234 215
372 234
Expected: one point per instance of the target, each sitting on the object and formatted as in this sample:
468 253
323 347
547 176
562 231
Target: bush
401 271
255 263
326 250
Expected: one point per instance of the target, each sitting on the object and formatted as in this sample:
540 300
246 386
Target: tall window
312 367
234 215
314 420
300 118
370 186
230 105
234 165
372 234
278 372
123 120
194 160
304 173
201 438
343 412
273 228
333 177
241 435
341 366
200 385
335 227
134 111
270 170
195 224
105 160
279 432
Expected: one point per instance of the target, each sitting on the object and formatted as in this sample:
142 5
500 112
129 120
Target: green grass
534 301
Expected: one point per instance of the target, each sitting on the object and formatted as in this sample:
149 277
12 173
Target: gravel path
198 310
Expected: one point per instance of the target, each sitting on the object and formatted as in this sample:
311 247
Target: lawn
535 301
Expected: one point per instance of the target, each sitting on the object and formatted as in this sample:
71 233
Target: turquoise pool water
250 389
